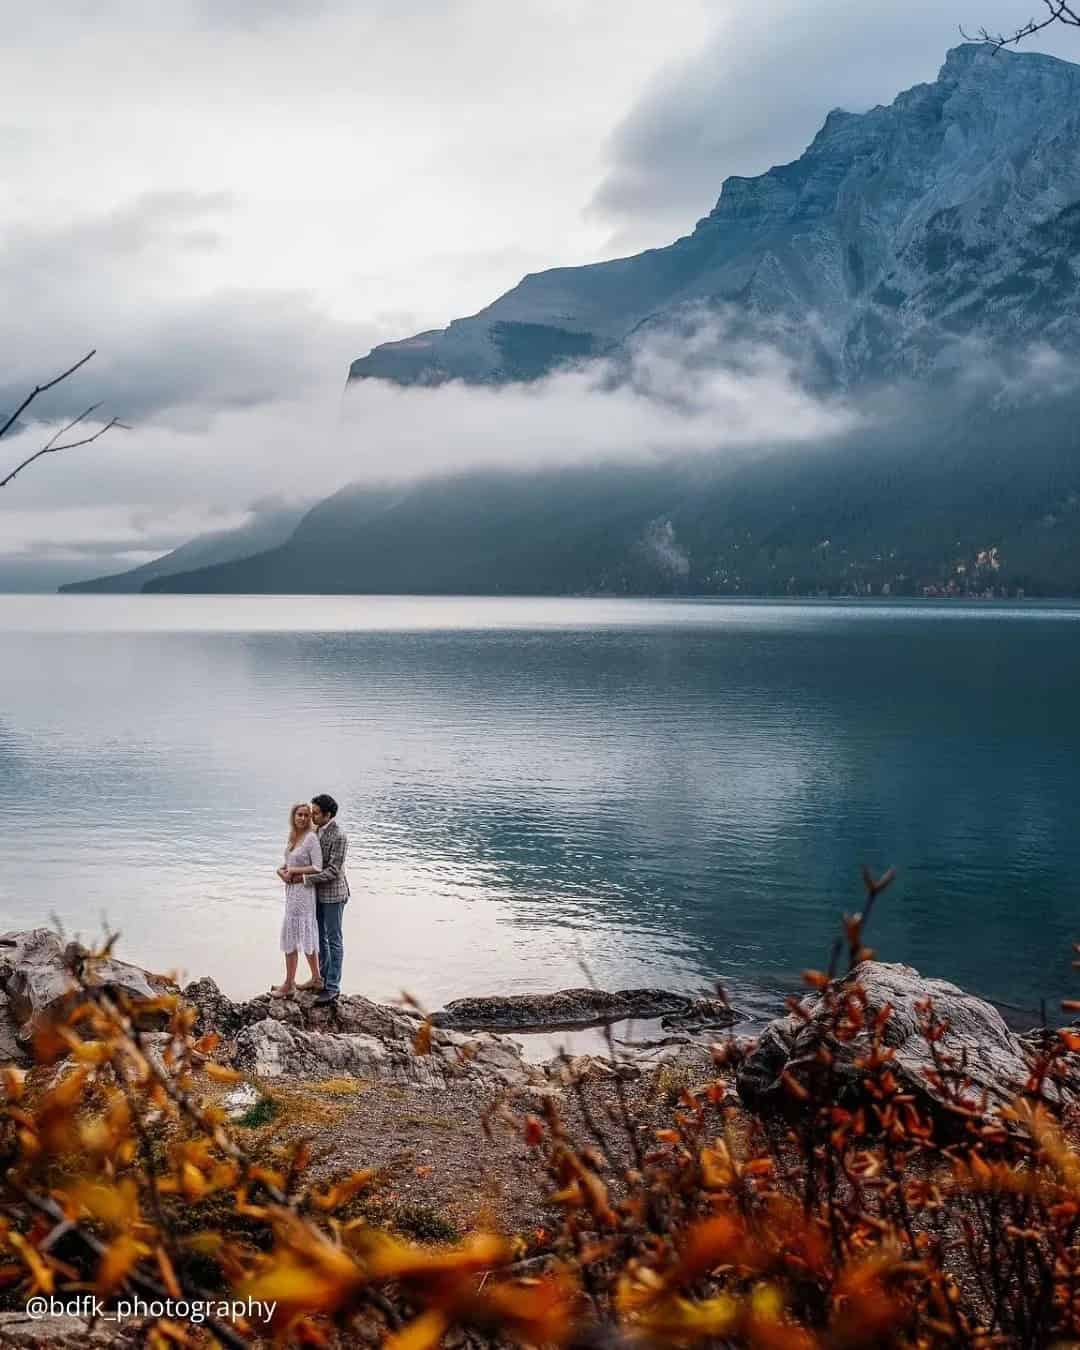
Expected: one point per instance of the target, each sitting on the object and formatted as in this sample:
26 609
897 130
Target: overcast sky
231 199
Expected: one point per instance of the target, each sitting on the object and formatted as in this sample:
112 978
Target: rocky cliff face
900 237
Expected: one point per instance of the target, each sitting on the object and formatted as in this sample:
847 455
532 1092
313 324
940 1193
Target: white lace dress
299 928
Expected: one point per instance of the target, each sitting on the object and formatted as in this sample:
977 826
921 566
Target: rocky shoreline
276 1038
471 1041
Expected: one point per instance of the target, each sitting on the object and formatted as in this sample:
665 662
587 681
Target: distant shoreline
698 598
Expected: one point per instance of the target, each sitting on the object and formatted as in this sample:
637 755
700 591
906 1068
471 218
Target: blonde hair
294 834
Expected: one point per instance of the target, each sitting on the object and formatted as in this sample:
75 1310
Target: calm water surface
669 793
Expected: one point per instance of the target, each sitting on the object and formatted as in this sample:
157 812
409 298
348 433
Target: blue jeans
331 947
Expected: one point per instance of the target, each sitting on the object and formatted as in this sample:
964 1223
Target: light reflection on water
663 792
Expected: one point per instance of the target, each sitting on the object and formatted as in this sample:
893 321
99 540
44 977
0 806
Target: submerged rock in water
986 1062
580 1008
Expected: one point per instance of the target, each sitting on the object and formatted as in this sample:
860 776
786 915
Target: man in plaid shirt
331 893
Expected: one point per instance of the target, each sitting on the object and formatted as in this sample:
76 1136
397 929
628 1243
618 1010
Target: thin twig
51 449
1058 12
41 388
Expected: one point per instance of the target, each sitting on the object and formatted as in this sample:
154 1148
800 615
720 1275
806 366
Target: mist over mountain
916 266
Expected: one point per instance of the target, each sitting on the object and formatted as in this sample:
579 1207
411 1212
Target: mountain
270 525
955 211
930 247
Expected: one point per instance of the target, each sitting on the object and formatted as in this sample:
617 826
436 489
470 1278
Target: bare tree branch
1057 12
51 449
41 388
56 443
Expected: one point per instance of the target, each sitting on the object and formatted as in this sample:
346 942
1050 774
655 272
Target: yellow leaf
387 1257
91 1052
192 1181
42 1274
220 1074
274 1180
115 1206
168 1273
117 1261
422 1333
538 1313
163 1003
321 1282
679 1319
96 1136
14 1083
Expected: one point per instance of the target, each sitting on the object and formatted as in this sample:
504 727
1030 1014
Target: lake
654 792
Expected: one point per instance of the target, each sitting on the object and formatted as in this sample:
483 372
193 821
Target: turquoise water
660 792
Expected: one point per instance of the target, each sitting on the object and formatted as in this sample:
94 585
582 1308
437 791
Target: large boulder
980 1049
36 979
579 1008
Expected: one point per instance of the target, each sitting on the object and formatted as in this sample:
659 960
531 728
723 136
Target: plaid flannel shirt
331 884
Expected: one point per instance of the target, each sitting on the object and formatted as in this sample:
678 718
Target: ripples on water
660 792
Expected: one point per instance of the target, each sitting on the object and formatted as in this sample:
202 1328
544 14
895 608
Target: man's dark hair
325 803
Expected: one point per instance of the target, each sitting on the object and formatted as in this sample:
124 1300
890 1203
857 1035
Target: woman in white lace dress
299 927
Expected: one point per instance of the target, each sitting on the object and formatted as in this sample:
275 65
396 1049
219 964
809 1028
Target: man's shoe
327 996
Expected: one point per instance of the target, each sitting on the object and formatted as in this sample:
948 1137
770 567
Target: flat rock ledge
574 1008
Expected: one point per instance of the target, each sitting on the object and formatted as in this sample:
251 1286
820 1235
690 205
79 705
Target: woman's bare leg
313 965
290 975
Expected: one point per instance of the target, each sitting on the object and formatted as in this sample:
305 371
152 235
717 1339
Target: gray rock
36 980
352 1013
216 1011
702 1014
584 1068
273 1048
65 1332
978 1042
12 1050
577 1008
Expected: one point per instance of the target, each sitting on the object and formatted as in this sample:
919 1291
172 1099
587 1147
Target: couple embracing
316 890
